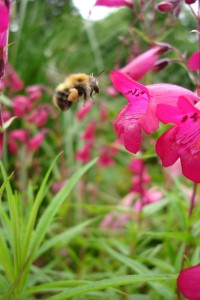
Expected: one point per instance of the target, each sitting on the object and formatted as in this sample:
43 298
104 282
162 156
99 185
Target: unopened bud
164 47
190 1
160 65
165 7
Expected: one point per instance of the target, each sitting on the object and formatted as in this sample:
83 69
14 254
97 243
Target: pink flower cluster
27 109
139 197
168 103
106 153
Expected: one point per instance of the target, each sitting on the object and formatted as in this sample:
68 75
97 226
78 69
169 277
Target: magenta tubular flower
84 110
21 105
35 142
188 282
83 154
35 91
4 25
88 135
194 62
38 117
17 135
114 3
12 80
182 140
140 113
145 62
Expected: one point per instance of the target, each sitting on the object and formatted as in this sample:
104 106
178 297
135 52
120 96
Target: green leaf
64 237
49 214
107 283
140 269
54 285
7 124
34 211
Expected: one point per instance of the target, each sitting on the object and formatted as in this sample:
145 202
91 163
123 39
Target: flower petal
166 147
169 93
188 282
132 90
194 62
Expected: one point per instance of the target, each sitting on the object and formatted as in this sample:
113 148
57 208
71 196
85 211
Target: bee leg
73 95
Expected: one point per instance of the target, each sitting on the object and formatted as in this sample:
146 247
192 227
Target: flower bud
160 65
190 1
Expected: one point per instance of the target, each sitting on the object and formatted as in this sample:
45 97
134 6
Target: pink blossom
35 91
116 219
56 186
194 61
168 5
145 62
6 115
139 181
35 142
182 140
20 135
111 91
106 156
140 113
188 282
190 1
111 219
84 154
136 166
114 3
103 112
4 24
88 135
38 117
21 105
12 79
84 110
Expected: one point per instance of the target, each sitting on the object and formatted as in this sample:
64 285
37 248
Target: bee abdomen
61 98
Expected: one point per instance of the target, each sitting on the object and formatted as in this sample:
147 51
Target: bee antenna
100 73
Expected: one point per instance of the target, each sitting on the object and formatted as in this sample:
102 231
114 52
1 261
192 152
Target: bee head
94 85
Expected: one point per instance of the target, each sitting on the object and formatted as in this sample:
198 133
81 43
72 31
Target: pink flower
35 91
35 142
4 24
140 113
111 91
145 62
21 105
106 156
149 197
168 5
194 61
136 166
103 112
190 1
6 115
182 140
12 79
84 110
57 186
84 154
114 3
88 135
20 135
188 282
38 117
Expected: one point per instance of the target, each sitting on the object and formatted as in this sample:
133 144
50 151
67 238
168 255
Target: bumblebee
74 87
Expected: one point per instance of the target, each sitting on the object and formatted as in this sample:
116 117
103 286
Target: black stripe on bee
62 102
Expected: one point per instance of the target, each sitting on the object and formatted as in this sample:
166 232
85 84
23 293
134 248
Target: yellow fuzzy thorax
76 79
